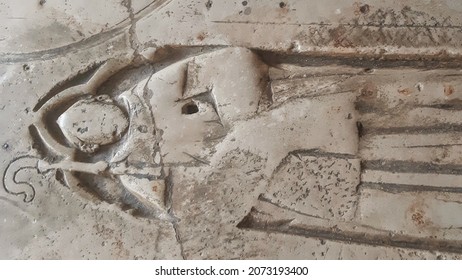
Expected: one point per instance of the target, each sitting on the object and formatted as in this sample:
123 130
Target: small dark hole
208 4
26 67
368 70
244 3
189 109
101 98
82 130
364 9
142 128
282 5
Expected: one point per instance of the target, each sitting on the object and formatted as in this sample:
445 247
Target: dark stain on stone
364 9
339 37
208 4
360 128
201 37
405 91
448 90
368 91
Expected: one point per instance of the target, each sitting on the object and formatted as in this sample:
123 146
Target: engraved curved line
52 53
105 70
66 84
85 43
129 99
25 182
51 143
9 177
60 97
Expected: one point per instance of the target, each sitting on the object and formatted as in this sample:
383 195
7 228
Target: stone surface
167 129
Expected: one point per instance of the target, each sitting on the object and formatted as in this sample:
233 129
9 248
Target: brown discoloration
361 8
448 90
405 91
364 9
368 91
103 231
418 218
339 37
379 27
201 36
120 251
417 214
283 10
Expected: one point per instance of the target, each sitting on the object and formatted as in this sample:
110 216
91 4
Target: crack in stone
178 239
169 207
132 38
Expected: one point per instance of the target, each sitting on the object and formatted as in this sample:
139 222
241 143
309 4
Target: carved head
92 122
197 101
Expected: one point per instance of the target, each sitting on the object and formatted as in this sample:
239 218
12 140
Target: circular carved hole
282 4
189 109
102 97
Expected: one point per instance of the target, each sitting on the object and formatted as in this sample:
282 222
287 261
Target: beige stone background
43 43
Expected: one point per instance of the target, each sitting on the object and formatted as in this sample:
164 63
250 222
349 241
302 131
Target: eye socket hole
189 108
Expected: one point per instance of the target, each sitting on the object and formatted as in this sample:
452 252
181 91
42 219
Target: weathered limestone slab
164 129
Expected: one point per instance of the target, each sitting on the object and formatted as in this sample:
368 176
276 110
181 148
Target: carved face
199 149
196 102
93 122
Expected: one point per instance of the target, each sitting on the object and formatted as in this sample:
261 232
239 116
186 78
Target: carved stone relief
225 149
